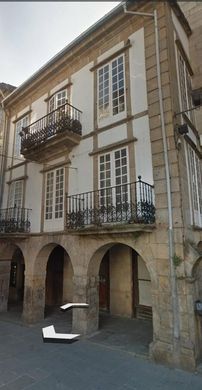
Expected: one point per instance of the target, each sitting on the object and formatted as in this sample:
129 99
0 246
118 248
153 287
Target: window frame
17 139
185 86
52 207
107 83
13 200
195 183
113 175
54 99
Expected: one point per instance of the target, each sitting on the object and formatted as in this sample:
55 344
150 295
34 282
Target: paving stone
90 364
20 383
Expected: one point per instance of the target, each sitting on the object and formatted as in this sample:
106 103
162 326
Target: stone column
5 267
34 298
85 321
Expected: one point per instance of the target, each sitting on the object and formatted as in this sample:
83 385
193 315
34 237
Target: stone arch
192 258
196 293
7 269
88 289
16 287
145 253
7 249
35 287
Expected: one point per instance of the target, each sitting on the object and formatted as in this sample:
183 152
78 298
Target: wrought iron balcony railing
64 118
14 220
126 203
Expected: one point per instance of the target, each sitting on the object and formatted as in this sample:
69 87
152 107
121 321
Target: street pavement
96 363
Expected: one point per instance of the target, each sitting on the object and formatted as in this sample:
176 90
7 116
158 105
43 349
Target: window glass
195 174
15 194
185 87
113 173
54 194
111 88
19 125
59 99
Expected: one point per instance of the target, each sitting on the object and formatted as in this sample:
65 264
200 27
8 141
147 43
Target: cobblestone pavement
88 364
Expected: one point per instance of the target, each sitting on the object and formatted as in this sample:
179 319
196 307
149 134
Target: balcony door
15 198
113 179
56 101
54 200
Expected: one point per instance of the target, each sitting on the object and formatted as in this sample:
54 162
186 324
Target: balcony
52 134
130 203
14 220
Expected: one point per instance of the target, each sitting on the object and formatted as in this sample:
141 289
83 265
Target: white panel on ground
49 335
68 306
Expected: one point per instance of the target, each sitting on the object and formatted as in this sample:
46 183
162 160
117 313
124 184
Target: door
54 277
142 303
54 200
104 283
113 185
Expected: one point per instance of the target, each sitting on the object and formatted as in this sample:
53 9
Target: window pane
49 195
19 125
103 92
59 194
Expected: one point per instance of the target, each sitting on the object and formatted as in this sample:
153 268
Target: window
15 194
57 100
113 173
19 125
54 194
195 174
185 86
111 88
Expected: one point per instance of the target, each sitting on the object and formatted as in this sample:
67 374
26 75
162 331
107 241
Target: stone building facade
193 13
5 90
102 196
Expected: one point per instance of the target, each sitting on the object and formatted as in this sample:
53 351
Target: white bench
50 335
68 306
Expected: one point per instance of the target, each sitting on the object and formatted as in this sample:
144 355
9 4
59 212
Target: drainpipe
176 327
3 156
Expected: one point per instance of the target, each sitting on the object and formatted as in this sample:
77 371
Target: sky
33 32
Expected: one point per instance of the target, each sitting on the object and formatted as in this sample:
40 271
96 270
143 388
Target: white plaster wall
22 112
56 225
6 188
39 108
110 51
82 96
55 161
143 155
11 141
138 72
182 35
59 85
81 169
17 172
33 195
113 135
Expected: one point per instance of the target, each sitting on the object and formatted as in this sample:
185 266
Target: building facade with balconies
102 196
5 90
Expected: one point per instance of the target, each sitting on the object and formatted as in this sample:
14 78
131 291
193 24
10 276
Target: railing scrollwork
15 220
127 203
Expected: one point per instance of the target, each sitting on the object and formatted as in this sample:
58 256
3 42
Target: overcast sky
33 32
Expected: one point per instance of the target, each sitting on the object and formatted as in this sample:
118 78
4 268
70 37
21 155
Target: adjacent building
5 89
102 199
